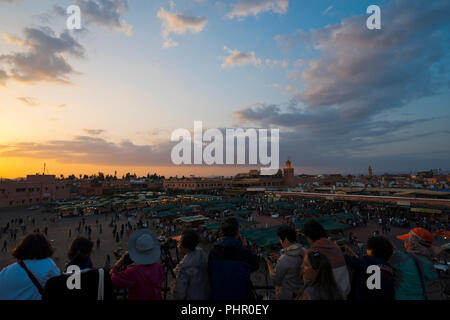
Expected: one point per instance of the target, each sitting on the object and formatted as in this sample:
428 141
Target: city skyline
189 173
107 97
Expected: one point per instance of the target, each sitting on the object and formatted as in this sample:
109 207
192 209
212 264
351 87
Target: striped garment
337 261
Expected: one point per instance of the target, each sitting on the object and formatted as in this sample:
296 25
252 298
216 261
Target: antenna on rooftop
45 169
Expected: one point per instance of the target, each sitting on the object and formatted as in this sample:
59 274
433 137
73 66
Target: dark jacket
229 267
81 263
56 288
359 289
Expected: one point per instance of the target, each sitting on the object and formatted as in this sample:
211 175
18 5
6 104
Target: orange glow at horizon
12 168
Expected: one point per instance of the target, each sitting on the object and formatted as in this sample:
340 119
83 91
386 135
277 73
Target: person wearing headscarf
414 269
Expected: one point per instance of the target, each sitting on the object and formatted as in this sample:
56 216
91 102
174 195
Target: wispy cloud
277 63
245 8
31 102
179 24
10 1
105 13
14 40
238 58
328 9
91 150
94 132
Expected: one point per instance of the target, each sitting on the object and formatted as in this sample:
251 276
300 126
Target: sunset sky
108 97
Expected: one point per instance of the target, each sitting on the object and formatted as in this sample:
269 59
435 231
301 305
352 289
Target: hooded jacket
337 261
287 272
192 281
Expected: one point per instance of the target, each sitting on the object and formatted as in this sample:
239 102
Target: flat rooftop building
34 190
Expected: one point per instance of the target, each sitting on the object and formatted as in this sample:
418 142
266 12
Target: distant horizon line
230 176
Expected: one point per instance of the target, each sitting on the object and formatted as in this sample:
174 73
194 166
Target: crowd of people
325 270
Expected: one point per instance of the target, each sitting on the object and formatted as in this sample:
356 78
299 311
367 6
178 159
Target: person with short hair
286 274
230 264
318 276
317 237
25 279
191 282
379 251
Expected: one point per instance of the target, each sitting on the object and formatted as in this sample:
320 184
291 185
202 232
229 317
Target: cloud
94 132
245 8
328 143
343 100
45 58
179 24
238 58
106 13
3 78
10 1
299 63
31 102
91 150
14 40
169 43
362 73
277 63
327 10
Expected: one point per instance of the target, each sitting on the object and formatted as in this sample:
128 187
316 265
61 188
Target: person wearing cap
144 275
413 269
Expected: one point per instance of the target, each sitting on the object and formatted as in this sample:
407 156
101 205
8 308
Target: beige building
196 184
32 191
239 183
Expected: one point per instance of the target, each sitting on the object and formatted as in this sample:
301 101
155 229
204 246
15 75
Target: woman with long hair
318 278
80 253
95 284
